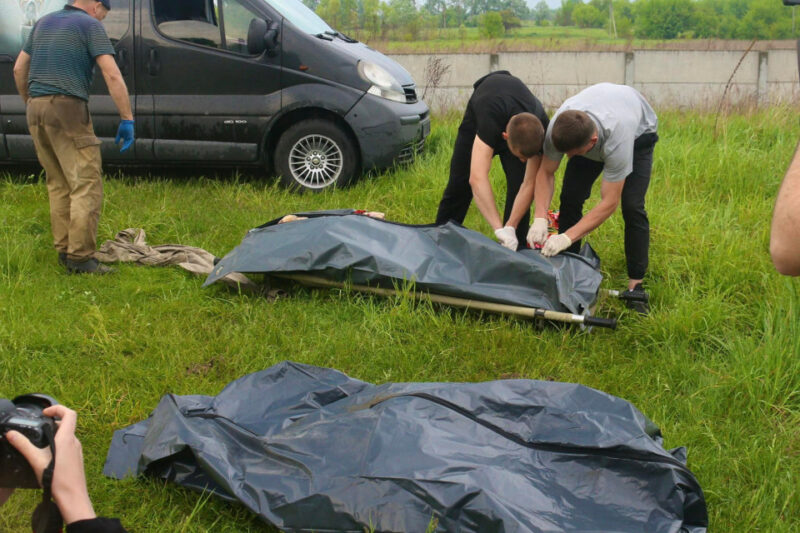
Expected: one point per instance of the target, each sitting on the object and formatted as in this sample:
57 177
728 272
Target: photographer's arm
784 245
69 481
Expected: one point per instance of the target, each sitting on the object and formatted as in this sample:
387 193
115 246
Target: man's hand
507 237
69 481
125 134
538 232
556 244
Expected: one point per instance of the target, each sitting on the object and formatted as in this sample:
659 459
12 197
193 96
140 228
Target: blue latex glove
125 134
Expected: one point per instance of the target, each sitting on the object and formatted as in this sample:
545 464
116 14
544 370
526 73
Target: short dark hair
525 134
572 129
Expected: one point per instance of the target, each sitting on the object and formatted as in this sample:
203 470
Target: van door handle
122 61
153 66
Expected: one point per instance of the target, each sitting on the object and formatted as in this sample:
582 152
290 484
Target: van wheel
315 154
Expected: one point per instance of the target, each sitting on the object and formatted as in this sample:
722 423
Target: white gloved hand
556 244
507 237
538 232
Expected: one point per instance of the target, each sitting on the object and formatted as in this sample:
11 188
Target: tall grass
532 37
715 365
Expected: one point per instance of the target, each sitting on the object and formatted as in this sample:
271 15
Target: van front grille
408 154
411 93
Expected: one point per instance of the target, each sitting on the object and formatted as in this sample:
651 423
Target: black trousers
579 177
458 193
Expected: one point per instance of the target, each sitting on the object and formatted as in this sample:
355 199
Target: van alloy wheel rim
315 161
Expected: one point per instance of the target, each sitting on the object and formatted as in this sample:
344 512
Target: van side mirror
263 36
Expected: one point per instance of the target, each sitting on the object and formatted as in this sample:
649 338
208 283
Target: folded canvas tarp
310 449
446 259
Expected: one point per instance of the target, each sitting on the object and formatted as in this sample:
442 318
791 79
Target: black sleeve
96 525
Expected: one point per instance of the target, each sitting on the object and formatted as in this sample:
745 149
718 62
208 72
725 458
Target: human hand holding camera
69 480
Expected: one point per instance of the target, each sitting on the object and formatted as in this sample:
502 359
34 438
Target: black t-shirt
498 96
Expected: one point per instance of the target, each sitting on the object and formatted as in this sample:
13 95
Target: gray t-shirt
621 115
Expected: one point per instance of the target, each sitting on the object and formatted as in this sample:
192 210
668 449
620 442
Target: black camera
23 414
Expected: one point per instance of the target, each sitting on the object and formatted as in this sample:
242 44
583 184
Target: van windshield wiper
342 36
324 36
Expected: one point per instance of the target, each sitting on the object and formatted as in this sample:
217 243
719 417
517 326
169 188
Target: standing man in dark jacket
502 118
53 74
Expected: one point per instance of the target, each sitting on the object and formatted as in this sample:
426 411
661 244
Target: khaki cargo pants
68 150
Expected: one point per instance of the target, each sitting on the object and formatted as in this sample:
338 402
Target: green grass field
715 364
470 39
532 37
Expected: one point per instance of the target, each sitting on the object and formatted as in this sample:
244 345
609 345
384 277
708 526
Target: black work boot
62 258
89 266
637 299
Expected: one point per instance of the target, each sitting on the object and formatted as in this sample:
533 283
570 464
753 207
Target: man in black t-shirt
502 118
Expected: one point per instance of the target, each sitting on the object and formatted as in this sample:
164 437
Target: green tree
623 8
624 27
339 14
372 17
329 11
541 12
492 25
348 14
711 22
519 8
587 16
437 8
765 20
564 13
664 19
402 16
456 15
510 20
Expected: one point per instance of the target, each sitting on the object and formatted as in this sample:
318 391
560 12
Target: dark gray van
235 82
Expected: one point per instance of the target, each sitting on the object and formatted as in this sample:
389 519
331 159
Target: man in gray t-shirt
605 128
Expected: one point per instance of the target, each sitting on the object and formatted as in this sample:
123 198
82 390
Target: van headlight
383 84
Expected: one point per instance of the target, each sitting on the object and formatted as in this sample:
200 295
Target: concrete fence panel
565 68
782 75
668 78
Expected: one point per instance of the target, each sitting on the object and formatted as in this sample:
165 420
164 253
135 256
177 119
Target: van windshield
298 14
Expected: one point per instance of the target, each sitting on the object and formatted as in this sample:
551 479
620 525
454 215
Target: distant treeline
647 19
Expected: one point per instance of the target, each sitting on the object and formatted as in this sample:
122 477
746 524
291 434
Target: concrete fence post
762 87
494 62
630 68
